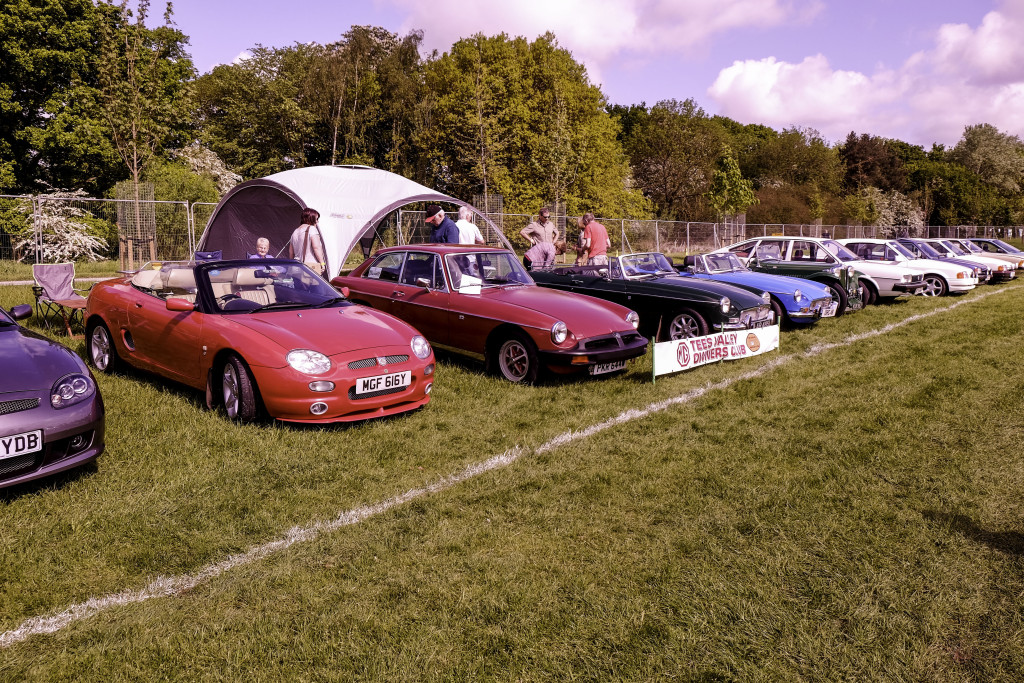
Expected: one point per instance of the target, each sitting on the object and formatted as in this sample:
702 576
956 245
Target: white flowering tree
895 213
66 232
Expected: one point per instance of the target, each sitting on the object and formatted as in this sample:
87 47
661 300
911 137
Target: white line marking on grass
169 586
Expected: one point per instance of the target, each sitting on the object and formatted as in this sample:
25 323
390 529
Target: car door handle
138 304
577 282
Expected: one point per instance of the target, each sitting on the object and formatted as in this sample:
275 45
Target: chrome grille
8 407
371 362
611 341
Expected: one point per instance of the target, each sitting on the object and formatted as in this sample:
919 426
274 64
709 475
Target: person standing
445 231
306 244
541 234
468 232
595 239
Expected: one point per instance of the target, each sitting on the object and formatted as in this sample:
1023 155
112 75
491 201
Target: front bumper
72 437
596 350
909 287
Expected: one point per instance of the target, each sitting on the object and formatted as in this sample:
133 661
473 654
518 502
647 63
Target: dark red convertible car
481 301
267 335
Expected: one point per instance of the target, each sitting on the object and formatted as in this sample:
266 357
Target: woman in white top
306 244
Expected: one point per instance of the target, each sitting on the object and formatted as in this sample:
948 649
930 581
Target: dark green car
805 257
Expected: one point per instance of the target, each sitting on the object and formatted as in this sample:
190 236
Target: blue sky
916 70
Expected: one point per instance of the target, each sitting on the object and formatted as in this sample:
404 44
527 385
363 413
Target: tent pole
398 231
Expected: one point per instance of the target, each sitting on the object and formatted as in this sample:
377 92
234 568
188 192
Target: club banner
684 354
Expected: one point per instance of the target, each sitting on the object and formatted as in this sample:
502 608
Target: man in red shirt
595 239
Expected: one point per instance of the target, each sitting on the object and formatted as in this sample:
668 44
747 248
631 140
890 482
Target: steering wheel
224 298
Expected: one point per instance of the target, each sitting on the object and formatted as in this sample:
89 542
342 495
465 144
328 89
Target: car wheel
934 285
238 390
516 359
839 296
780 318
685 324
101 349
870 293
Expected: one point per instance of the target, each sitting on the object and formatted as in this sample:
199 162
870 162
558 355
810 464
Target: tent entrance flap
253 212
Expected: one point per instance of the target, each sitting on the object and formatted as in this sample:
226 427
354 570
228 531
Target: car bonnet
32 362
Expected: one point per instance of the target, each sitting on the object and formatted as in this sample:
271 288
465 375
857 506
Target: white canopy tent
352 201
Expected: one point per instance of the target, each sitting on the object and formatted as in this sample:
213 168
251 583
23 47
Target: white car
1001 270
974 250
940 277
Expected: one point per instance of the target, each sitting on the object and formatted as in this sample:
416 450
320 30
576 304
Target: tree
997 158
872 161
144 80
730 193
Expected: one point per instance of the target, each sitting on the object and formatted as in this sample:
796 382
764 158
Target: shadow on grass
53 482
1009 542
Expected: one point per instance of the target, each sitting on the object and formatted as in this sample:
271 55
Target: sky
915 70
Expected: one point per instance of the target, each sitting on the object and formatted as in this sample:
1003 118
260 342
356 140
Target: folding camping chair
56 294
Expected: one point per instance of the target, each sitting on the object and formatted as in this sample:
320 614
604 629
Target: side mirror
345 291
423 282
180 305
21 312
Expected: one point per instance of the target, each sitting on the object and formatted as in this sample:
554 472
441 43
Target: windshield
724 263
649 263
485 269
955 248
941 248
269 285
839 251
971 247
1004 245
900 249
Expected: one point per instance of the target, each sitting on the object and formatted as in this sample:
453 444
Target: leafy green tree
997 158
730 193
872 161
143 79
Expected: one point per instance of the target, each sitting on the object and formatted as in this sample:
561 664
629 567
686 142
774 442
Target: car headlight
725 304
850 270
835 270
309 362
905 278
559 332
766 297
420 347
71 389
633 318
797 295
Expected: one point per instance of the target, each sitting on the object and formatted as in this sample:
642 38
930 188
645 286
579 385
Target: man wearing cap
445 231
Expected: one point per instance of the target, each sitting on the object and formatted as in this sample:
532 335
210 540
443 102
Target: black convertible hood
29 361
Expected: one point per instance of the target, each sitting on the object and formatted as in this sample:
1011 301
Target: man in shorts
595 240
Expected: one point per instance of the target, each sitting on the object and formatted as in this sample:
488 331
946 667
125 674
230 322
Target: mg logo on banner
684 354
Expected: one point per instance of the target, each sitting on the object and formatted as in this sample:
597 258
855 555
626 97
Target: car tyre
780 318
934 285
870 293
839 295
238 390
683 324
100 349
515 359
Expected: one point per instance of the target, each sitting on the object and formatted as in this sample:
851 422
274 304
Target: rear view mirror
423 282
21 312
180 305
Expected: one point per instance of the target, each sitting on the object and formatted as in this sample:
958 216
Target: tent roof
351 201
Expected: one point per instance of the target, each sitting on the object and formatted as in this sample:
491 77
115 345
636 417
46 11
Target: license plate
829 310
20 444
392 380
602 368
760 323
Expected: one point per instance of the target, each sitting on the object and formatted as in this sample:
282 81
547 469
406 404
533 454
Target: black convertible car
51 413
671 306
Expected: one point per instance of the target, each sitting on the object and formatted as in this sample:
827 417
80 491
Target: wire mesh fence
52 228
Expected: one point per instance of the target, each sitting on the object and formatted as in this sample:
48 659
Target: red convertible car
482 302
260 336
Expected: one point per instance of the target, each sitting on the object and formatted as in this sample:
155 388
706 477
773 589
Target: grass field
842 512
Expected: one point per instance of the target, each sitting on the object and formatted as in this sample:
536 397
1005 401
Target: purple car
51 412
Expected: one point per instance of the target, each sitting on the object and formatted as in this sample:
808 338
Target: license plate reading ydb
20 444
392 380
602 368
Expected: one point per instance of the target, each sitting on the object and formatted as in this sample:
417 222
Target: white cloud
970 76
599 32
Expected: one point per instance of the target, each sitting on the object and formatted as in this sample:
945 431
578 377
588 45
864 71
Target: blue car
924 249
794 300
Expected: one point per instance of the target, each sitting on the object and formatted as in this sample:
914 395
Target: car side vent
8 407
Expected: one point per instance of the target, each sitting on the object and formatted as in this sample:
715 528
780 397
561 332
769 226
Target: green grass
850 515
15 270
